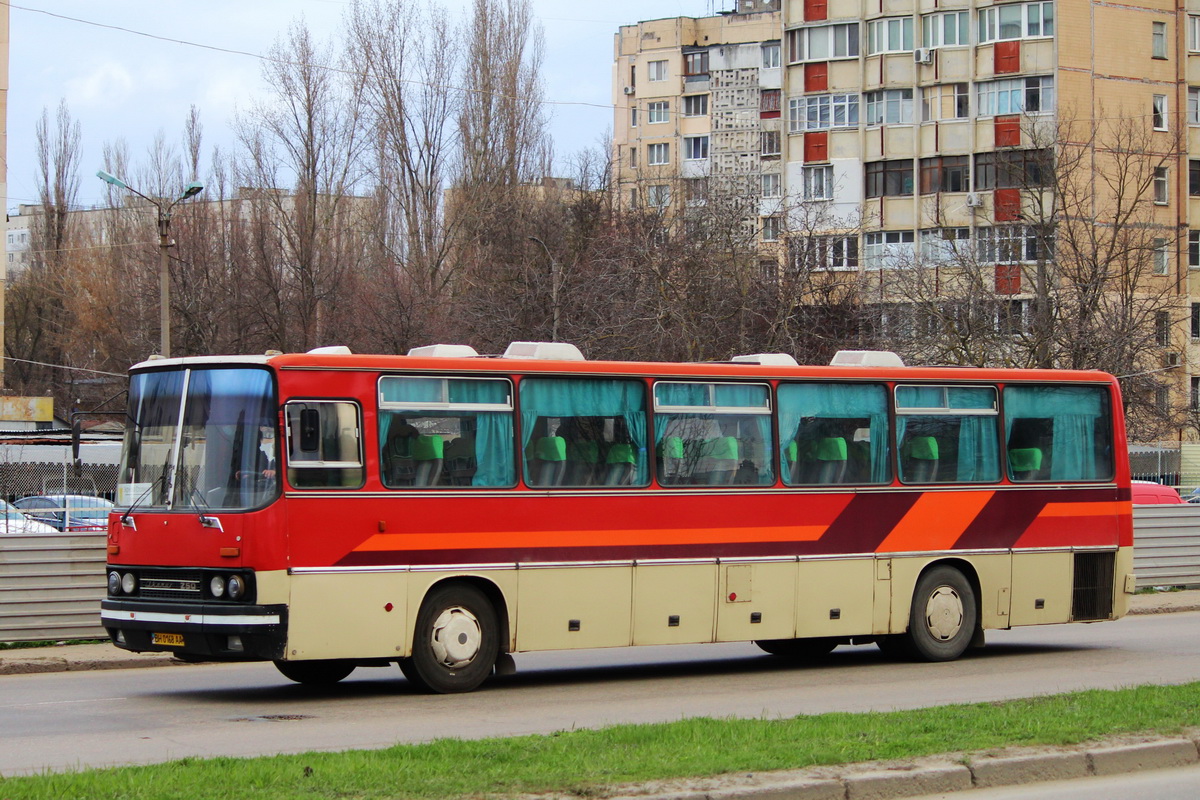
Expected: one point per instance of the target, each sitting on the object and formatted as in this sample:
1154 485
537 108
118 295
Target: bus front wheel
315 673
943 615
456 641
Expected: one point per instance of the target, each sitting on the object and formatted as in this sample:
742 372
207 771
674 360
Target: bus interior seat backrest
722 454
673 465
550 461
1025 462
619 465
921 459
583 457
460 462
427 452
831 461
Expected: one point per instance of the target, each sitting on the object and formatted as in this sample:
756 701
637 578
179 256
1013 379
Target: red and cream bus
443 510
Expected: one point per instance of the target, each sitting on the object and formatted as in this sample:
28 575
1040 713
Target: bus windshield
200 439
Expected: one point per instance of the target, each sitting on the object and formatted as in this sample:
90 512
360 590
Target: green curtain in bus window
681 431
1070 424
808 404
978 452
559 398
493 446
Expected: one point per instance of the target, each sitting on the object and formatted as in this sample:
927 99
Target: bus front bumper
197 631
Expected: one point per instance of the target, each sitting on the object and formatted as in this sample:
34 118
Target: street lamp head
113 179
191 190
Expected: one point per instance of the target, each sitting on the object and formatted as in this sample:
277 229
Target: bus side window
833 433
324 444
1058 433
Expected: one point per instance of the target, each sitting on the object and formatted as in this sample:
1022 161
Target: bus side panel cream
994 572
420 582
673 603
1045 580
757 601
835 597
881 620
272 586
564 609
1124 583
339 615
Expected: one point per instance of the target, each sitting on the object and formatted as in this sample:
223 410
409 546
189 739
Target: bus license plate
168 639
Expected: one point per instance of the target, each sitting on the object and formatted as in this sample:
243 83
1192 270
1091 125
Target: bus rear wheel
799 648
456 641
315 673
943 616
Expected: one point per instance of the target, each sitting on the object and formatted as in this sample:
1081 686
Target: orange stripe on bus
615 538
935 522
1101 509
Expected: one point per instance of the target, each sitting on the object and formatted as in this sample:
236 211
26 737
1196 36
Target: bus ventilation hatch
1093 595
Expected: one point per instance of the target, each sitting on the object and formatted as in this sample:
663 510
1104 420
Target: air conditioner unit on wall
1172 360
974 200
629 90
923 55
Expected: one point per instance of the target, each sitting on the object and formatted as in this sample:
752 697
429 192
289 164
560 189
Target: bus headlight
217 586
236 586
129 583
114 583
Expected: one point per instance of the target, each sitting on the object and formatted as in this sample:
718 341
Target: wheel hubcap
944 613
457 637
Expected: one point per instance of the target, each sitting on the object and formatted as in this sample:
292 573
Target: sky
120 84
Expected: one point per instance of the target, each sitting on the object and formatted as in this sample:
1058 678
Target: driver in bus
264 457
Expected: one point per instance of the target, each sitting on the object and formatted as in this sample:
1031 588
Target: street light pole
554 280
164 244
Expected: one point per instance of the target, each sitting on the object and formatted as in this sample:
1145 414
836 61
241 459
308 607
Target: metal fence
1166 545
51 586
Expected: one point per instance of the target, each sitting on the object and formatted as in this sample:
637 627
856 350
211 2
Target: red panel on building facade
816 146
1008 131
1008 279
1007 57
816 76
816 10
1008 205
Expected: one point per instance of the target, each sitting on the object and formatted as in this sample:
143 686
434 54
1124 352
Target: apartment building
935 132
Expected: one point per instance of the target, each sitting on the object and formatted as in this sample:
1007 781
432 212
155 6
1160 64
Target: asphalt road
1182 783
74 719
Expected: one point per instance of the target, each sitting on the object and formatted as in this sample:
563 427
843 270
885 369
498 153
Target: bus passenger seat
427 452
1024 462
621 461
582 459
831 458
922 460
551 461
723 459
673 466
460 460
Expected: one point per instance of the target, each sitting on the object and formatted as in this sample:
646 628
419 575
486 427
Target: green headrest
587 452
723 447
621 454
791 452
831 449
923 448
1025 459
672 447
427 448
552 448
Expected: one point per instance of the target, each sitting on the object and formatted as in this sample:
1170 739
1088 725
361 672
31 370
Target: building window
769 101
892 35
1193 31
1013 169
1195 325
945 245
658 154
657 70
1194 249
771 228
818 183
887 249
1162 328
633 157
823 43
945 174
948 29
1016 21
822 112
889 178
945 101
1158 39
1193 111
1195 394
1006 244
658 112
1161 257
770 144
1158 111
1194 178
633 117
772 185
693 64
817 253
1162 190
658 195
770 55
1015 96
695 105
889 107
695 148
1162 399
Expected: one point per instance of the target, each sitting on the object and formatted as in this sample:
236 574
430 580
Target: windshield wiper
126 518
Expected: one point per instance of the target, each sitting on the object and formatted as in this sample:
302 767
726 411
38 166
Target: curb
44 664
933 775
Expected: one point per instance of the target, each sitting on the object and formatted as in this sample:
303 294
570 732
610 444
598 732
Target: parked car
69 512
1149 492
14 522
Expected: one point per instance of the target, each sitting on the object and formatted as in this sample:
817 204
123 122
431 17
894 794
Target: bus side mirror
76 431
310 430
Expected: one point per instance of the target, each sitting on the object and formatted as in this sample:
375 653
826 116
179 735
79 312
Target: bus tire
816 647
455 642
944 613
324 672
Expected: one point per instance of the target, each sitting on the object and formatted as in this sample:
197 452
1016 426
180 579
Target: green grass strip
584 761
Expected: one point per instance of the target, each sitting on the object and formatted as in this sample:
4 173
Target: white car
14 522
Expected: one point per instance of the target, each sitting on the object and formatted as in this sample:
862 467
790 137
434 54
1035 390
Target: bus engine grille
171 585
1093 591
